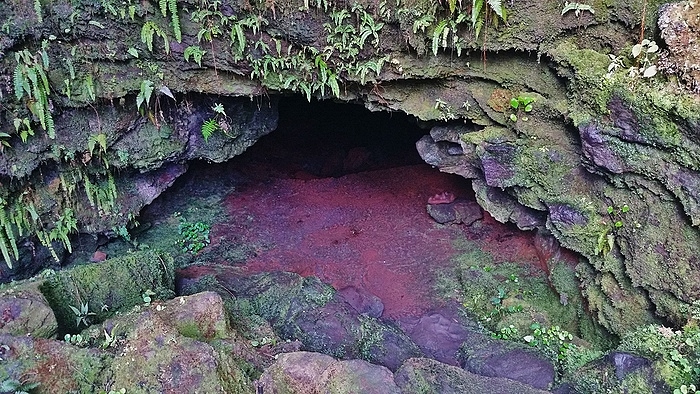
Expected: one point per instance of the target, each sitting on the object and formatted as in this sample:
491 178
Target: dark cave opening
328 139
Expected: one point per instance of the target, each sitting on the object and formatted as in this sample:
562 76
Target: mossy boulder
101 286
423 375
307 373
183 344
312 312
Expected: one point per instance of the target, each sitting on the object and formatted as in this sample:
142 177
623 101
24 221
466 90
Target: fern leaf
44 81
163 7
37 9
437 35
5 251
175 19
208 128
333 83
497 7
19 82
477 5
10 233
147 32
50 127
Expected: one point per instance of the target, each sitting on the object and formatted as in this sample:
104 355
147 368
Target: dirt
368 230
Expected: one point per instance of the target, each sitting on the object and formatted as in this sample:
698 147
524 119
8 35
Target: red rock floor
369 230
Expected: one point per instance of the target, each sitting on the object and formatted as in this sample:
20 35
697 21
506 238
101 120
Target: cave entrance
327 139
337 192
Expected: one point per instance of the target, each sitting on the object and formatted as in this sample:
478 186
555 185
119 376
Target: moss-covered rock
305 372
423 376
98 290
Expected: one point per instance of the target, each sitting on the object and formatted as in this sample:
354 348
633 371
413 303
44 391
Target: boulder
423 375
509 360
310 373
25 311
101 287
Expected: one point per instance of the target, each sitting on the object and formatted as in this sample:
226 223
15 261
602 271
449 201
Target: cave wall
104 103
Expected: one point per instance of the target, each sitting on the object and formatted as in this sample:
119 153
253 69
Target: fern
438 33
175 19
195 52
171 5
208 128
149 31
479 13
37 10
20 83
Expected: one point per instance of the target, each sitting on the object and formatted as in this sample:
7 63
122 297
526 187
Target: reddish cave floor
369 230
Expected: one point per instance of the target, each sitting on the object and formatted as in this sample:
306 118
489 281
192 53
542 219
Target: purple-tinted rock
515 364
597 149
438 334
626 363
497 163
363 301
565 214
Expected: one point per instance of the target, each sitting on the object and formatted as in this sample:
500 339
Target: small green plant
642 62
16 387
144 97
577 8
506 333
146 296
686 389
218 122
263 342
644 55
193 236
554 341
75 339
196 53
606 237
149 31
82 315
616 215
521 103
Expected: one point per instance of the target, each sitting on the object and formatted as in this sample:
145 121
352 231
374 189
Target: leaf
437 34
166 91
476 13
636 50
497 8
514 103
96 23
133 52
75 310
650 71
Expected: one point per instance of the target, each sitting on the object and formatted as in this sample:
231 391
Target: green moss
102 286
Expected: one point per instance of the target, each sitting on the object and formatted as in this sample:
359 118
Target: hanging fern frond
208 128
175 19
37 10
497 7
19 82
